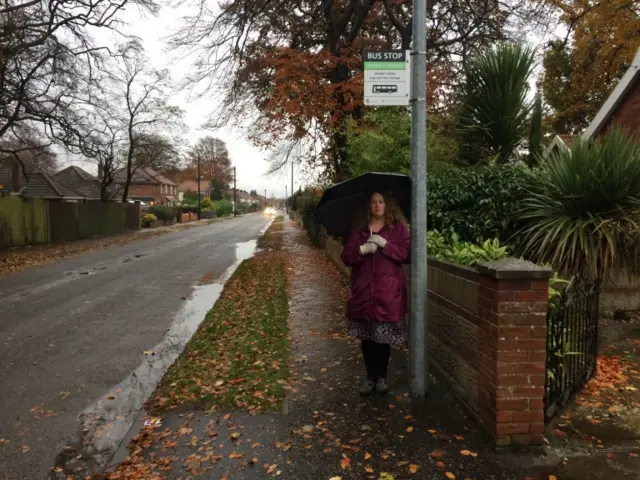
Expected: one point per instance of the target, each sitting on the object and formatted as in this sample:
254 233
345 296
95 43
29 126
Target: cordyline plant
584 217
495 109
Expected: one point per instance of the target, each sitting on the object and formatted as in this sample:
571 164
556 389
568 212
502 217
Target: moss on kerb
514 269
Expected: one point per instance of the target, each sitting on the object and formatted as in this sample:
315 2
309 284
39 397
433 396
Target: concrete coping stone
514 269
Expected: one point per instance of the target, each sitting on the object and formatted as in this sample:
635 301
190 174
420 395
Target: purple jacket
378 282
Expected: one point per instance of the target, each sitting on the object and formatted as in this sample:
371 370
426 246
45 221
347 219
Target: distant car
269 211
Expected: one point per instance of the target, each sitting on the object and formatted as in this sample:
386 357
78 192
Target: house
80 180
147 185
559 142
192 186
622 109
32 183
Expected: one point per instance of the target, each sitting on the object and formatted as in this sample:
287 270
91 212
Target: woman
377 249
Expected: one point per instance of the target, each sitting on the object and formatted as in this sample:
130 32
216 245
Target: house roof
145 175
618 95
79 180
39 184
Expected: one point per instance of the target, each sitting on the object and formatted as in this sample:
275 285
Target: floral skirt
393 333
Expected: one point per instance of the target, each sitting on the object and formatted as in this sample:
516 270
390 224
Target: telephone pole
418 328
235 208
198 180
286 200
265 198
292 185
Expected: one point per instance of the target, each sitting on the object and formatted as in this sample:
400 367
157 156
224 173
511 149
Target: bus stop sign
387 77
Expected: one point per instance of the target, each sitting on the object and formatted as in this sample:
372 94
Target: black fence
572 344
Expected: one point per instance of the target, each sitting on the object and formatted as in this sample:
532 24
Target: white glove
368 248
377 240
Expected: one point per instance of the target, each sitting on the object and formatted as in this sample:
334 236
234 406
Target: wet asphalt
71 331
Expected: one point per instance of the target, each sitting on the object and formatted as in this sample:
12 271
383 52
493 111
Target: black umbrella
341 203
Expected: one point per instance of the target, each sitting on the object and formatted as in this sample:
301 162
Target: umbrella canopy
341 203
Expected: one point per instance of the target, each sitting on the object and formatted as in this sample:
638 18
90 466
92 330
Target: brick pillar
513 310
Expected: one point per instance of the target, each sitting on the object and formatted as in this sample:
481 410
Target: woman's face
376 205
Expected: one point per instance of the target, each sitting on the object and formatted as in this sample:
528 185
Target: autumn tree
215 164
581 70
142 92
295 67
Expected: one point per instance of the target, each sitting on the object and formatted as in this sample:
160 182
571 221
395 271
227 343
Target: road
72 330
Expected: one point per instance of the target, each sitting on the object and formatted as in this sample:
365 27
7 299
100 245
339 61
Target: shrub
223 208
148 219
454 250
207 204
479 203
584 216
166 214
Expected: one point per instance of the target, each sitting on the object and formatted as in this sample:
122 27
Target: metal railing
572 344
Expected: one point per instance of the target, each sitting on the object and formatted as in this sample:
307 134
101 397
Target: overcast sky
250 162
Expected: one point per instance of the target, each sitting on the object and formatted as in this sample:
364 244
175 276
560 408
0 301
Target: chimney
15 176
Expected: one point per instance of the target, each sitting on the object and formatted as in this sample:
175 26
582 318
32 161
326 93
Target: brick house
622 109
147 186
192 186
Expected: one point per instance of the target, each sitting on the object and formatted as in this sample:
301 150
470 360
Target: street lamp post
418 366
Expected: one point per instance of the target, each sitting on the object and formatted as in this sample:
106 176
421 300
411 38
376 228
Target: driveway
70 331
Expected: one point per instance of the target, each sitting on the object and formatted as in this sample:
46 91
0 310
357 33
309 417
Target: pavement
72 330
327 430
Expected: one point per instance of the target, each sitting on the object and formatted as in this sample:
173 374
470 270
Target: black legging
376 358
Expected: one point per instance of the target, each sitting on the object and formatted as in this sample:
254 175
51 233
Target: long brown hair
392 212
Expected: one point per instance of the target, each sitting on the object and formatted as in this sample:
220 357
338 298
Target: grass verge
272 238
238 358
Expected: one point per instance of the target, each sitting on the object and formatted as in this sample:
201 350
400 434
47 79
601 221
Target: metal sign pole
418 368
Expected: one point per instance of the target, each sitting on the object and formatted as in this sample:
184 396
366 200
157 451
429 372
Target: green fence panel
23 221
64 221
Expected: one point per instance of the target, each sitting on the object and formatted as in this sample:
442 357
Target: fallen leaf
409 429
413 468
386 476
345 462
367 456
440 465
467 453
335 478
368 469
25 448
437 453
235 455
553 477
459 437
450 476
3 441
432 431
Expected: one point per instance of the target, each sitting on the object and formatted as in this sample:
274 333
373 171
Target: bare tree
143 92
32 153
48 63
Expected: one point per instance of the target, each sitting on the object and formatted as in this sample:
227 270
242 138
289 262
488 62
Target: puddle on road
104 425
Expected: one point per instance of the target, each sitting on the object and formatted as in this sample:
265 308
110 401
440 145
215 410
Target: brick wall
487 340
627 115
